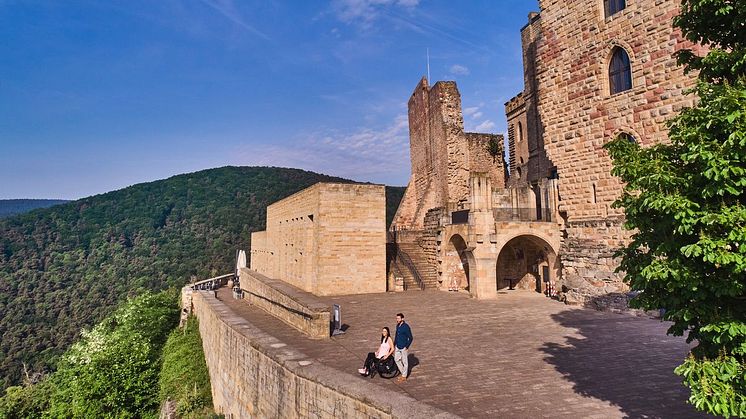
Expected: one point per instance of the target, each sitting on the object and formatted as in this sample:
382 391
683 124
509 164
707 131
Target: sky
99 95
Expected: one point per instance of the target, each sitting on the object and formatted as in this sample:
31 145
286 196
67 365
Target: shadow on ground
617 361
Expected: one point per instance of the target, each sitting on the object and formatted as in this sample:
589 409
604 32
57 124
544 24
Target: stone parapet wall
254 375
293 306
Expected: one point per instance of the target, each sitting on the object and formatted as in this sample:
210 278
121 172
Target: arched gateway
526 262
455 268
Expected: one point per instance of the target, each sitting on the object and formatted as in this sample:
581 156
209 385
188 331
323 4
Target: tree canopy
66 267
685 201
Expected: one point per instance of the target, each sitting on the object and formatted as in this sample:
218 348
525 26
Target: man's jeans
401 356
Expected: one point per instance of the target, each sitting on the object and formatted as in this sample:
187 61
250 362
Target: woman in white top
385 350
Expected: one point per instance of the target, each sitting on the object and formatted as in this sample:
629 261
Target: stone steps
419 258
401 270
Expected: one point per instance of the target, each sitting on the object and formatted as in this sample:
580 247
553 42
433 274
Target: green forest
127 366
10 207
66 267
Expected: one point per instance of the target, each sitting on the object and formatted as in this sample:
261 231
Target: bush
184 377
113 370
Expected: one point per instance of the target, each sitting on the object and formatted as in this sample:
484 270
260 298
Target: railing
523 214
402 256
212 283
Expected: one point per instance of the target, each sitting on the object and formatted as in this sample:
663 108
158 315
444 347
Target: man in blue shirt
402 341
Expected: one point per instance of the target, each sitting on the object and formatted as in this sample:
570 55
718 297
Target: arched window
627 136
620 73
520 132
613 6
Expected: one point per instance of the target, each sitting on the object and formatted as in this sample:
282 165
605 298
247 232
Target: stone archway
529 262
455 267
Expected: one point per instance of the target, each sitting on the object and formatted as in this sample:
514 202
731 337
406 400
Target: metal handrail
404 257
212 283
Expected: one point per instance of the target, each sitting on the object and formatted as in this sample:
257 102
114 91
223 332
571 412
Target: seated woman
384 351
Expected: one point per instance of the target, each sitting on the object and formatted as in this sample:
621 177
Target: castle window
628 137
520 132
595 199
620 72
613 6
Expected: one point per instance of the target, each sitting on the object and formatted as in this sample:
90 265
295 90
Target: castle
593 71
469 220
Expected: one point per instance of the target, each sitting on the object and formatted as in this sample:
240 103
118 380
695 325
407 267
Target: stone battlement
515 103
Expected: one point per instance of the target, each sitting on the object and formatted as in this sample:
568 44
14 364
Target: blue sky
100 95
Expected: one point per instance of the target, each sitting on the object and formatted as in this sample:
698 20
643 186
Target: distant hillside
66 267
10 207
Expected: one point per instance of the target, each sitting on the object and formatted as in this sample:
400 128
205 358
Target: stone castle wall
328 239
576 110
255 375
480 159
576 115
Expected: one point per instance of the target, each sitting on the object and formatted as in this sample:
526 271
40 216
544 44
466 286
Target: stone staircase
419 259
402 271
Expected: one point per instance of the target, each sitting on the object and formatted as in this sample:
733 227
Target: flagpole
428 65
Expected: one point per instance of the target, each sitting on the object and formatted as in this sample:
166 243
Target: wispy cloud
366 154
485 126
459 70
228 10
473 112
365 12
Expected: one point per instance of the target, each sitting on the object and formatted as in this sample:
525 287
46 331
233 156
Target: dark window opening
620 72
628 137
613 6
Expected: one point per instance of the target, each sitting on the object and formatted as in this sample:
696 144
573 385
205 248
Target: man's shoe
401 379
362 371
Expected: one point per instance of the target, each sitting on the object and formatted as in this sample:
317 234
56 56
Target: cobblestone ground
519 356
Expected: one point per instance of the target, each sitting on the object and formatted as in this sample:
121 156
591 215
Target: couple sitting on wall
381 360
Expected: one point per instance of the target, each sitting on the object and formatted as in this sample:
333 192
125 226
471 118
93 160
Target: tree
685 202
494 148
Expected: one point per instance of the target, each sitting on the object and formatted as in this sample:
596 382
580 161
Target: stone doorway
455 265
527 263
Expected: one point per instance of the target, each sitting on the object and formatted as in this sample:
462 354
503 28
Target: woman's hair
388 334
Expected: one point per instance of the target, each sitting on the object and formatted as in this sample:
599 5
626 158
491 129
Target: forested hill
66 267
10 207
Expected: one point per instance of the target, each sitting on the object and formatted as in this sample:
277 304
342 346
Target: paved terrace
521 356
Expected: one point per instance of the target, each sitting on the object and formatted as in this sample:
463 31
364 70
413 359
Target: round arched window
620 72
627 136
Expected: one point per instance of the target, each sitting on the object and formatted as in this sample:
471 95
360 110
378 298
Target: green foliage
184 377
494 148
686 203
29 401
66 267
720 25
112 371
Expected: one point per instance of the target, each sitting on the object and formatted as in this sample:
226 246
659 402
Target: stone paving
521 356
